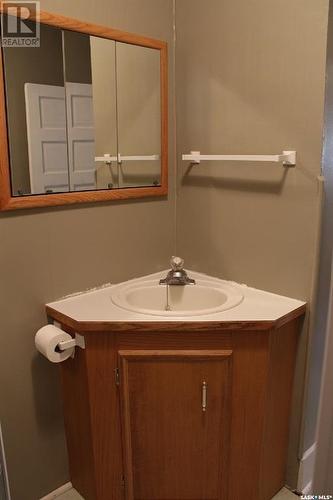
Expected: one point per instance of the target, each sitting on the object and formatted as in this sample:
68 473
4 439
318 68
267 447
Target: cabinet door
175 418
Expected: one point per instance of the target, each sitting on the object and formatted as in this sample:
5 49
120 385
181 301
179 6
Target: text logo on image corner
18 26
316 497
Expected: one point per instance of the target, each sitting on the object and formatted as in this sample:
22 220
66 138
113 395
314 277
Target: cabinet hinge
117 376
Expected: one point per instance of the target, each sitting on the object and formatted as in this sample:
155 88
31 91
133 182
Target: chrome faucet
177 275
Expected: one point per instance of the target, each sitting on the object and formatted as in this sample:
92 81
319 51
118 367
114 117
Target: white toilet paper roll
47 340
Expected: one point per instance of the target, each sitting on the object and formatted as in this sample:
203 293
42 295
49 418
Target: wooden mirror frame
10 202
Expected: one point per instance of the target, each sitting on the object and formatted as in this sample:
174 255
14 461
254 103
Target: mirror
85 114
138 101
36 116
80 110
91 91
103 66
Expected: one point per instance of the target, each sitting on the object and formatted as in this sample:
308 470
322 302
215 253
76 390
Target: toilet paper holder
77 341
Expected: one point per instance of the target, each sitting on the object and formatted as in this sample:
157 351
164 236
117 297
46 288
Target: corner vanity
178 393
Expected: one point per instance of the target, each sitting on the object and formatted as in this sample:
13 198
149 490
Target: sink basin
205 297
144 300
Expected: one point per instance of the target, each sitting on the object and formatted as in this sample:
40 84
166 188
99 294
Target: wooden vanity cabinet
179 411
175 407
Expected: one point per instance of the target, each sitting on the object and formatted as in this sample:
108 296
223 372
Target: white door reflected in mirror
47 143
58 163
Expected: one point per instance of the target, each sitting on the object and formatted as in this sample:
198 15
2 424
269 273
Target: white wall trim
308 489
59 491
306 470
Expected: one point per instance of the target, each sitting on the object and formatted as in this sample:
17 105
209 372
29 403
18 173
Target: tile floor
283 495
70 495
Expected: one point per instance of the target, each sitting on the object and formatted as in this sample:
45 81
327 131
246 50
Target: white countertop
96 305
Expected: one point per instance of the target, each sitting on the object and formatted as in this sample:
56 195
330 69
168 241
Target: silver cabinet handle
204 396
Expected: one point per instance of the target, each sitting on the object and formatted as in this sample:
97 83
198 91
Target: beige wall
45 254
250 80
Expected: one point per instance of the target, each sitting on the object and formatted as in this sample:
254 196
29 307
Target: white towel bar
287 157
120 158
